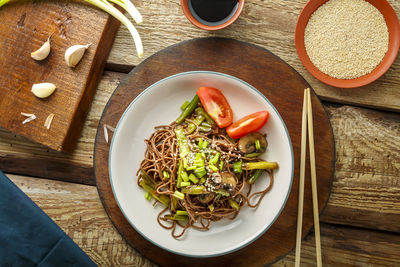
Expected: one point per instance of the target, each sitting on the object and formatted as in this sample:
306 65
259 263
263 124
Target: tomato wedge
216 105
250 123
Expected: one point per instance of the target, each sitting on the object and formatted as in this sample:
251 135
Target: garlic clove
74 54
43 90
42 52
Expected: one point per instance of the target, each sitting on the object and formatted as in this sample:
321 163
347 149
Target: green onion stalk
110 9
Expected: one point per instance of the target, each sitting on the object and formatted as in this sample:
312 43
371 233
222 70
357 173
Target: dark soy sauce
213 10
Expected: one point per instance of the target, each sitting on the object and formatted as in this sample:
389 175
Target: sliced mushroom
247 143
206 198
228 181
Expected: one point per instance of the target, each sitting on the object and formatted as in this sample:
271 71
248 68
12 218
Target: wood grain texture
362 167
25 27
269 24
366 188
21 156
78 211
266 72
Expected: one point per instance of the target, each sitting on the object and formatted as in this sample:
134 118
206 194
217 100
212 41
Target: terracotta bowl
394 43
211 26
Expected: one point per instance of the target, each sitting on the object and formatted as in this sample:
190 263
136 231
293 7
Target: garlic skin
43 90
74 54
42 52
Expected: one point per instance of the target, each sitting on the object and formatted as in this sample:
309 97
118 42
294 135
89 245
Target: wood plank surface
19 155
270 24
265 72
25 27
366 186
78 211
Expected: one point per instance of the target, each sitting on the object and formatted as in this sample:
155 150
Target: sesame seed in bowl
347 43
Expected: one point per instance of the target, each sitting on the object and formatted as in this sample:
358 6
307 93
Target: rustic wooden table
360 225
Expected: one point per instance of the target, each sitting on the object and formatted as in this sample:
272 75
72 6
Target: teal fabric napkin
28 237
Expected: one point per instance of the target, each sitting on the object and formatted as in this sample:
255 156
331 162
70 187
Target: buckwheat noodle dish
201 167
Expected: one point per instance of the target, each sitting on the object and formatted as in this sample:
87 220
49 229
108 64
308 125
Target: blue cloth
28 237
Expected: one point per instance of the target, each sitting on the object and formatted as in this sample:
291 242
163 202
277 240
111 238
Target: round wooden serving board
282 85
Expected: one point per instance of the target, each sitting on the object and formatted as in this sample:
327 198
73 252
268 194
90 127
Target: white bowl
159 105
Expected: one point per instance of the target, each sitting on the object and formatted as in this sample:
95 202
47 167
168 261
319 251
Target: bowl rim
234 248
194 21
392 24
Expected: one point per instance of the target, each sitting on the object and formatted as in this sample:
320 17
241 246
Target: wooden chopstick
313 179
307 119
301 183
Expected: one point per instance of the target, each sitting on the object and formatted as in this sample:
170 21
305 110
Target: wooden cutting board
24 27
282 85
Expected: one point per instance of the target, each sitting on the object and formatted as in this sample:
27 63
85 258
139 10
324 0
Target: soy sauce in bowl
213 12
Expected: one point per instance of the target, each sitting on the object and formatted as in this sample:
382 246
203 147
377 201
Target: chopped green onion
221 165
191 168
258 145
200 173
179 179
237 167
185 176
214 159
204 145
148 196
203 155
148 178
222 192
260 165
211 207
183 184
185 163
233 204
198 156
194 190
198 163
200 169
202 180
192 126
181 212
193 178
203 128
183 142
200 144
179 195
165 174
252 155
163 199
184 105
213 168
174 203
255 176
206 124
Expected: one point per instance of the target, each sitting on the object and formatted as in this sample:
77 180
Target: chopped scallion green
213 168
184 105
179 195
148 196
165 174
237 167
258 145
181 212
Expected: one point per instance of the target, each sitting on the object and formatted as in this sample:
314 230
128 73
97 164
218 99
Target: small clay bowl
211 26
394 44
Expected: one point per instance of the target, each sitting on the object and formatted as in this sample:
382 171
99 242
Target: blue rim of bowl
291 151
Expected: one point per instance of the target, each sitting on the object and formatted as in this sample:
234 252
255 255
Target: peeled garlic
43 90
42 52
74 54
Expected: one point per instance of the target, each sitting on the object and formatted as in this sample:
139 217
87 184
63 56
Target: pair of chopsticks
307 118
